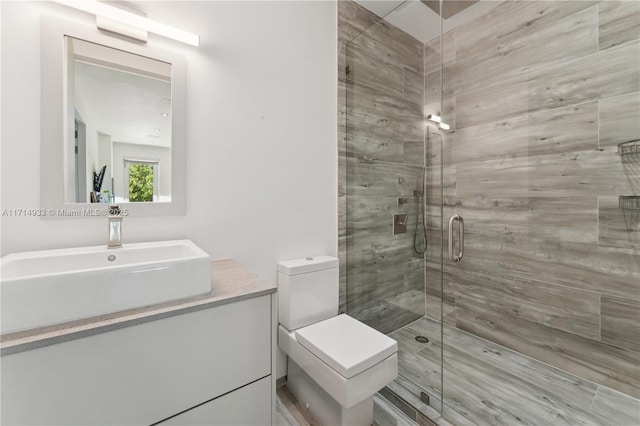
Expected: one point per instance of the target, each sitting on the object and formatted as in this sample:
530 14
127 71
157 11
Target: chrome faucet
115 227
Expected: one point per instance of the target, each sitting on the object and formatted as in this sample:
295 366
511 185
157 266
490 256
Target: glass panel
389 198
541 314
538 322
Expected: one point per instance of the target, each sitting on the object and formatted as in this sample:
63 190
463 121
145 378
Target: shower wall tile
352 21
435 187
619 22
604 74
527 219
516 54
383 251
396 299
378 57
413 82
367 68
371 107
382 281
432 85
558 307
434 148
619 119
437 304
342 245
440 297
529 134
378 125
382 179
513 19
413 152
574 265
500 101
374 215
621 322
595 361
393 45
617 227
570 174
432 53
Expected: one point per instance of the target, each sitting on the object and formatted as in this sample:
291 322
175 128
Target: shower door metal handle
456 218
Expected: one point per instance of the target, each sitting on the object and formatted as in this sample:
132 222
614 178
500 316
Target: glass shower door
541 313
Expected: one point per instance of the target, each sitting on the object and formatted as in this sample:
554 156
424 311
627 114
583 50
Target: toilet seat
345 391
345 344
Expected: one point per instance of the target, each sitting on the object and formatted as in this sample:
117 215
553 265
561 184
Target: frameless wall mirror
113 122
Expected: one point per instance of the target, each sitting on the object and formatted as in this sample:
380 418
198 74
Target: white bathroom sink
41 288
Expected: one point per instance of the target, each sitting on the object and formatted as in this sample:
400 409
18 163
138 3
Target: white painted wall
261 130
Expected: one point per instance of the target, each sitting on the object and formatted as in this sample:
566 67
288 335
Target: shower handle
456 218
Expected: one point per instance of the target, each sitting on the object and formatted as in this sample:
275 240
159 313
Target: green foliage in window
140 182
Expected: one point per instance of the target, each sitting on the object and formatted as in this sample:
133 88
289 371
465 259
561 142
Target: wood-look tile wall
380 112
539 94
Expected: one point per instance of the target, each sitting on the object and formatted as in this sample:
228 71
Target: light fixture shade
132 20
117 27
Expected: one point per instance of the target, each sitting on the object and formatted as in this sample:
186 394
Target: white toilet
336 363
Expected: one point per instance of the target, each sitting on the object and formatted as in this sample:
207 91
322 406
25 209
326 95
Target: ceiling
418 18
449 8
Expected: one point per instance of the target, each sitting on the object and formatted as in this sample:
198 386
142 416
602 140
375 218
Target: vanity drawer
247 406
143 373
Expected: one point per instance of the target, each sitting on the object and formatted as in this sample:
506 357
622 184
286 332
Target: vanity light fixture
438 119
129 24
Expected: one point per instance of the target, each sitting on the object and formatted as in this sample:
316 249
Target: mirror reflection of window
142 180
123 102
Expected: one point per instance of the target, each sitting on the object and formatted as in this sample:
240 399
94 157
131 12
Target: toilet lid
346 345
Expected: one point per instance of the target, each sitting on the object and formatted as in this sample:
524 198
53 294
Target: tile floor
488 384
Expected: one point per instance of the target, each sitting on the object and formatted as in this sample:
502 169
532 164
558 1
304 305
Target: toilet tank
307 291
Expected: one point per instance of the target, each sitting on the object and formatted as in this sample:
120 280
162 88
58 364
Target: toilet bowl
336 363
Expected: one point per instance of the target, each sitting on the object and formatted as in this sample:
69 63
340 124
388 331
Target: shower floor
488 384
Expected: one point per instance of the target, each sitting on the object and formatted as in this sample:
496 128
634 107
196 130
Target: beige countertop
230 282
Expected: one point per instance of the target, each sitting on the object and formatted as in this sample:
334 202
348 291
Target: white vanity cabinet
242 407
208 366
